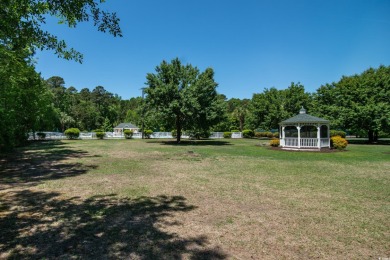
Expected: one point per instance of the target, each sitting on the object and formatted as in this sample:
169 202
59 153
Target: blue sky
251 45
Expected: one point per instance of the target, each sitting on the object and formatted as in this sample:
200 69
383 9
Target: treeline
359 104
89 110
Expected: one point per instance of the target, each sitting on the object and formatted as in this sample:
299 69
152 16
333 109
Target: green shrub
227 134
235 131
128 134
276 135
248 133
41 136
195 134
100 135
72 133
274 142
266 135
148 133
337 133
174 133
338 142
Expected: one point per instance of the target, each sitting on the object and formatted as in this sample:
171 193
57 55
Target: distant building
125 126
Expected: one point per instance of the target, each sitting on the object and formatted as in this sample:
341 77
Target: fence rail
113 135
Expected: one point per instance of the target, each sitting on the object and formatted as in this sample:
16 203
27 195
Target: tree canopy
360 103
272 106
21 23
27 102
182 97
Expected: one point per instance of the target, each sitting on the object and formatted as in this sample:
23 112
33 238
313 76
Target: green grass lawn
212 199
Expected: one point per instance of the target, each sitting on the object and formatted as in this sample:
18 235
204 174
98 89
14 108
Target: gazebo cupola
304 131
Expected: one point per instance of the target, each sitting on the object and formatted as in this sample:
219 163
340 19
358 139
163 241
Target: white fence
113 135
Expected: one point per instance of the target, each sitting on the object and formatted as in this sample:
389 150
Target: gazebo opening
291 131
324 131
304 131
309 131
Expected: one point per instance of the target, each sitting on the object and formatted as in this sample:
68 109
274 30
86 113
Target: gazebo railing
291 142
325 142
309 142
305 142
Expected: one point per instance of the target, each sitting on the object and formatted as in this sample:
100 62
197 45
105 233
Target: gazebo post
319 136
283 135
299 135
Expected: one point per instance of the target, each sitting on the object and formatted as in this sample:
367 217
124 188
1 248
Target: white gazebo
304 131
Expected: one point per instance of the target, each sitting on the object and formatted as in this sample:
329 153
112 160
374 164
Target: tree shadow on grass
365 141
39 162
205 142
37 225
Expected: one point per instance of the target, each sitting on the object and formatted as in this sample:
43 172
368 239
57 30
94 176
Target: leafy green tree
65 120
182 97
55 82
267 109
56 85
358 103
133 117
21 23
24 98
239 114
107 126
25 103
295 98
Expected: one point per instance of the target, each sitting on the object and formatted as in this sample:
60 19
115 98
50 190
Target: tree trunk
370 136
241 124
376 136
178 129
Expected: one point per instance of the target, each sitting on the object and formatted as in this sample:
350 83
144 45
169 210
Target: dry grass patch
150 199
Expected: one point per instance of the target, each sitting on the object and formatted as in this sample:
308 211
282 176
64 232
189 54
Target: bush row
337 133
74 133
266 134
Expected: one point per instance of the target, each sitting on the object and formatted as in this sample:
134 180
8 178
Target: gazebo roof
302 117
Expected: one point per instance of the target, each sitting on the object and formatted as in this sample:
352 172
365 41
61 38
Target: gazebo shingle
302 117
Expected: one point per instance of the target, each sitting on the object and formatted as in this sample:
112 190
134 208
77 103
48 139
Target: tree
359 102
183 97
21 23
240 113
267 109
24 99
295 98
65 120
25 103
132 116
55 82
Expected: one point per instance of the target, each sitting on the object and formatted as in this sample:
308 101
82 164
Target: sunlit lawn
212 199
